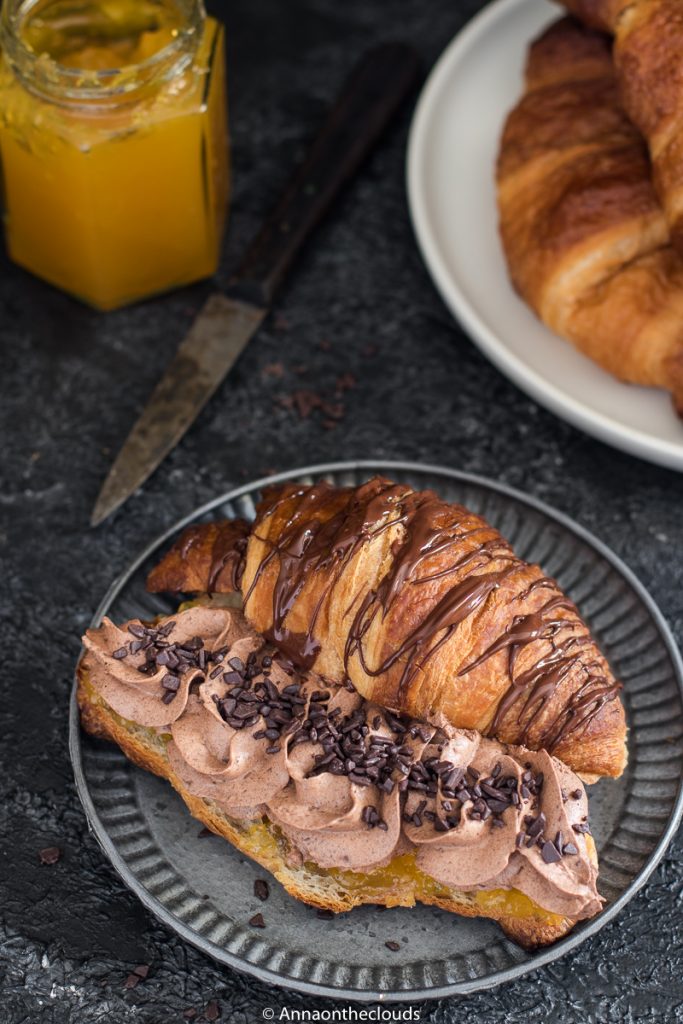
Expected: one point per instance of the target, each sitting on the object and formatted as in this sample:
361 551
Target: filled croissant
344 802
586 240
648 44
426 609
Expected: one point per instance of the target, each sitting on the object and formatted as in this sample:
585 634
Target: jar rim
48 75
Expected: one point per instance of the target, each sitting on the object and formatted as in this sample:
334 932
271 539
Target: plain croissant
585 237
648 47
427 610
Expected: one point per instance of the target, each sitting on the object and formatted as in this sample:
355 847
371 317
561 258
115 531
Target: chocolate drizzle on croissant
540 681
312 544
308 548
208 557
427 610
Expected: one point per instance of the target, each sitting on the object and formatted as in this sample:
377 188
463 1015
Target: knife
228 320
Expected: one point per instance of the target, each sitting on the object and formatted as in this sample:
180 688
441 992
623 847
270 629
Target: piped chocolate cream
349 784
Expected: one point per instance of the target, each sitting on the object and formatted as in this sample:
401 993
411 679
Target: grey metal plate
202 888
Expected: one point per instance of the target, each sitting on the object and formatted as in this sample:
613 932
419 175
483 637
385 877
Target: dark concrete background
360 302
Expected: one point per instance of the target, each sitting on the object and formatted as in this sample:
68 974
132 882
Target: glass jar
113 142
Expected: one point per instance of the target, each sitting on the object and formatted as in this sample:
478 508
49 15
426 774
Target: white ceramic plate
451 159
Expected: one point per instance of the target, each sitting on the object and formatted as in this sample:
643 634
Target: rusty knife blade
218 335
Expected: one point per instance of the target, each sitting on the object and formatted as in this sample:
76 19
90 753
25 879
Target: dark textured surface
361 303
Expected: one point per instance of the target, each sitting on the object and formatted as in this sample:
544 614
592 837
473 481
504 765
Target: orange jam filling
408 882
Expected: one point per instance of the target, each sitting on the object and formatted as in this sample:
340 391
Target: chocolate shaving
550 853
490 796
261 889
351 748
536 826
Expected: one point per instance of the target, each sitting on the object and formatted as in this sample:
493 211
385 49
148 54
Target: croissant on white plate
585 237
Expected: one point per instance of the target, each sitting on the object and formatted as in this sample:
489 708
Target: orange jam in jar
113 144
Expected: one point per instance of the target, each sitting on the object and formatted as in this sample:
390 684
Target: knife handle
370 97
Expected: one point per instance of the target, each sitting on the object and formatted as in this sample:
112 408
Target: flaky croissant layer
427 610
648 43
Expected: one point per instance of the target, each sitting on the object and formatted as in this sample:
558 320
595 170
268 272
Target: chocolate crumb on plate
50 855
257 921
393 946
261 889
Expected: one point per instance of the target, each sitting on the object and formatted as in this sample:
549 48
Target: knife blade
218 335
371 96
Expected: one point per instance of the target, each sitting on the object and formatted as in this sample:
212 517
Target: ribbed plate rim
267 975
